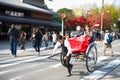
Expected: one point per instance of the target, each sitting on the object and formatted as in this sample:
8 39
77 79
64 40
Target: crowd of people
38 38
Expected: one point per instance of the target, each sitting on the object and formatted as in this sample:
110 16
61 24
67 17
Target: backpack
109 40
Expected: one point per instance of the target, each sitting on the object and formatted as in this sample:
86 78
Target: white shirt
66 44
54 36
105 37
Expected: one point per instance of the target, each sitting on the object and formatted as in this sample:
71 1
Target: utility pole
102 16
63 15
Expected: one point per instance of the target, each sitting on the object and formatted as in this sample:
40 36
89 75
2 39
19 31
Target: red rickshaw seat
79 44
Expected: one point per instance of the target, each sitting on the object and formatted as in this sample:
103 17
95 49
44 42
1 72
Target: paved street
29 66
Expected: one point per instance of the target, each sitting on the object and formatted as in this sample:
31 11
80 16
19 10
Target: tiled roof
19 4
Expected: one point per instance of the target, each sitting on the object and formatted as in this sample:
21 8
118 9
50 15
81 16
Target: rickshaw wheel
91 58
62 59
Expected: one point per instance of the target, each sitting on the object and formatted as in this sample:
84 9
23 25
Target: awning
29 20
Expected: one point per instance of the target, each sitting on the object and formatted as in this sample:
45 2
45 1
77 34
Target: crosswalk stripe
19 62
46 68
96 75
53 66
18 58
102 58
17 69
98 72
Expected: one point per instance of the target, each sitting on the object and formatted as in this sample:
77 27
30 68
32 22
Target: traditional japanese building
26 14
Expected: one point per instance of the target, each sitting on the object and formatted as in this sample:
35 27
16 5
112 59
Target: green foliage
64 10
111 15
95 10
57 18
114 11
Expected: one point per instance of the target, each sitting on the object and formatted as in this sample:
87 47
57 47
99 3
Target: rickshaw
83 45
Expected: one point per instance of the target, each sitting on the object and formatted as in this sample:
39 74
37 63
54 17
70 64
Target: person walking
54 38
106 43
46 39
13 37
22 40
66 51
32 38
38 39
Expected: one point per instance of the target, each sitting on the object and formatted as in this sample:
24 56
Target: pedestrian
22 40
54 38
107 44
66 51
38 39
94 37
13 37
32 38
46 38
98 36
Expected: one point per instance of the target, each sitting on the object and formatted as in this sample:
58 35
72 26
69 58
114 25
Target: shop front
26 17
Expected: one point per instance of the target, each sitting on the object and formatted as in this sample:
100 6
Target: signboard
14 13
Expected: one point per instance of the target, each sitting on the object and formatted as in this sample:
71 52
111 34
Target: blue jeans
37 46
13 45
46 43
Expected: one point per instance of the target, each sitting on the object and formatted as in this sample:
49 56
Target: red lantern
63 15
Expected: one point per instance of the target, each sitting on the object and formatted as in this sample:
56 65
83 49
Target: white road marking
101 58
18 69
55 66
96 75
19 62
17 58
44 69
17 78
104 70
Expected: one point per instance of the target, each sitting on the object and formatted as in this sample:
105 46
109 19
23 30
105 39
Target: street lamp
63 15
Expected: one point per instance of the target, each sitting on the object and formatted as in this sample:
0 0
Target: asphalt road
29 66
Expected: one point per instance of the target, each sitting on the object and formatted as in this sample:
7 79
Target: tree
94 21
68 12
64 10
61 11
76 21
57 18
94 18
114 12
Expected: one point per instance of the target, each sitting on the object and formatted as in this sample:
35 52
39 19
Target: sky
57 4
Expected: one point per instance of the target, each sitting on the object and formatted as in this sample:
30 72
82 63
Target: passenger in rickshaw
79 31
82 32
66 51
89 32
